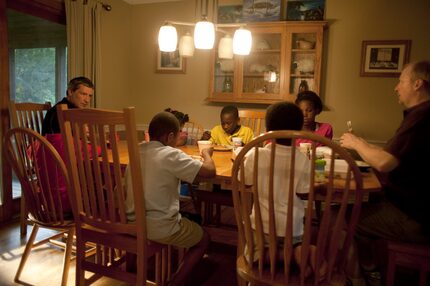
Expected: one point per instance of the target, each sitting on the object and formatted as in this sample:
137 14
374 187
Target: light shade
242 42
186 45
167 38
225 48
204 35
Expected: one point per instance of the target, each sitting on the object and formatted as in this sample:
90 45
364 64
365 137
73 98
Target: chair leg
67 255
391 269
27 251
23 217
80 256
423 277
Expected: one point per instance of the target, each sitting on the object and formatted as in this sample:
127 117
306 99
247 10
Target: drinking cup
203 144
237 142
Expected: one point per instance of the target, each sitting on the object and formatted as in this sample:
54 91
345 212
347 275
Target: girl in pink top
311 105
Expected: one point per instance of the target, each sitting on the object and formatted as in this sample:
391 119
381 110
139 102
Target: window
37 63
37 58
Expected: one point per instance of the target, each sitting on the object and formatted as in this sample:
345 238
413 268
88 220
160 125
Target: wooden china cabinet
285 56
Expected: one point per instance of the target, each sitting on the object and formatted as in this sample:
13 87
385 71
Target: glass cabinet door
303 62
223 75
261 70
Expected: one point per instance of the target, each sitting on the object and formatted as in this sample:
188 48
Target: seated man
79 92
402 215
167 166
78 95
222 134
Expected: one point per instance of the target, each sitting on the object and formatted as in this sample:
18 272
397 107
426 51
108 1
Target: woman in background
311 105
182 118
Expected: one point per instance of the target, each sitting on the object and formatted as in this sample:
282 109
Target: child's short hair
311 97
163 123
182 117
284 116
230 109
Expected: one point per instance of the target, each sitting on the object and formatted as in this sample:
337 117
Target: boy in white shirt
281 116
164 167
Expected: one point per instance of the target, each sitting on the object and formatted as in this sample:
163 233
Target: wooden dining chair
253 119
42 173
99 195
415 256
265 255
195 131
30 115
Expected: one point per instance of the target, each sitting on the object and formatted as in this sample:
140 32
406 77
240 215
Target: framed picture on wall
170 62
261 10
230 14
384 58
305 10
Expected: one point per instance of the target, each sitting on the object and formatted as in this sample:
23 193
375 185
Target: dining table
223 160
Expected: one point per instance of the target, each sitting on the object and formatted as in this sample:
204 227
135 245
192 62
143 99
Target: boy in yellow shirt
229 128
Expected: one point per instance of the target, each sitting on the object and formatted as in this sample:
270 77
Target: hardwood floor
44 265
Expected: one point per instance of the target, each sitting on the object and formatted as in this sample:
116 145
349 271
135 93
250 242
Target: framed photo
384 58
230 14
305 10
170 62
261 10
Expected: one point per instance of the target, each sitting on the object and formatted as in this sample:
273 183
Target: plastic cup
237 142
204 144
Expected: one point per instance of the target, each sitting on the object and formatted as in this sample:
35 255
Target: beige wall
130 44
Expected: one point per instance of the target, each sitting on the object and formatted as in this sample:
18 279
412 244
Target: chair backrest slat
28 114
253 119
283 189
195 131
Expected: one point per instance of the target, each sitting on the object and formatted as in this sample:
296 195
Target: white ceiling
136 2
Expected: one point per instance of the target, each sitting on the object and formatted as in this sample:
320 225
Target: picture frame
385 58
170 62
230 14
305 10
261 10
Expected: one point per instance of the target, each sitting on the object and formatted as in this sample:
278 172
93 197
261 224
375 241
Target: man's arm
378 158
207 170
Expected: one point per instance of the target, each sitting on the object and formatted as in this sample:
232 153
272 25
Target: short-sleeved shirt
163 168
50 123
323 129
408 185
220 137
280 187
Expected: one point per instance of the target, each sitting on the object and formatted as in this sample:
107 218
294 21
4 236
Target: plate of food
223 148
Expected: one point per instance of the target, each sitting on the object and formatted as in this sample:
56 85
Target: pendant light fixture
167 38
242 42
204 35
225 47
186 45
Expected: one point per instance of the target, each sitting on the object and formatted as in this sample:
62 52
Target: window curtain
83 20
